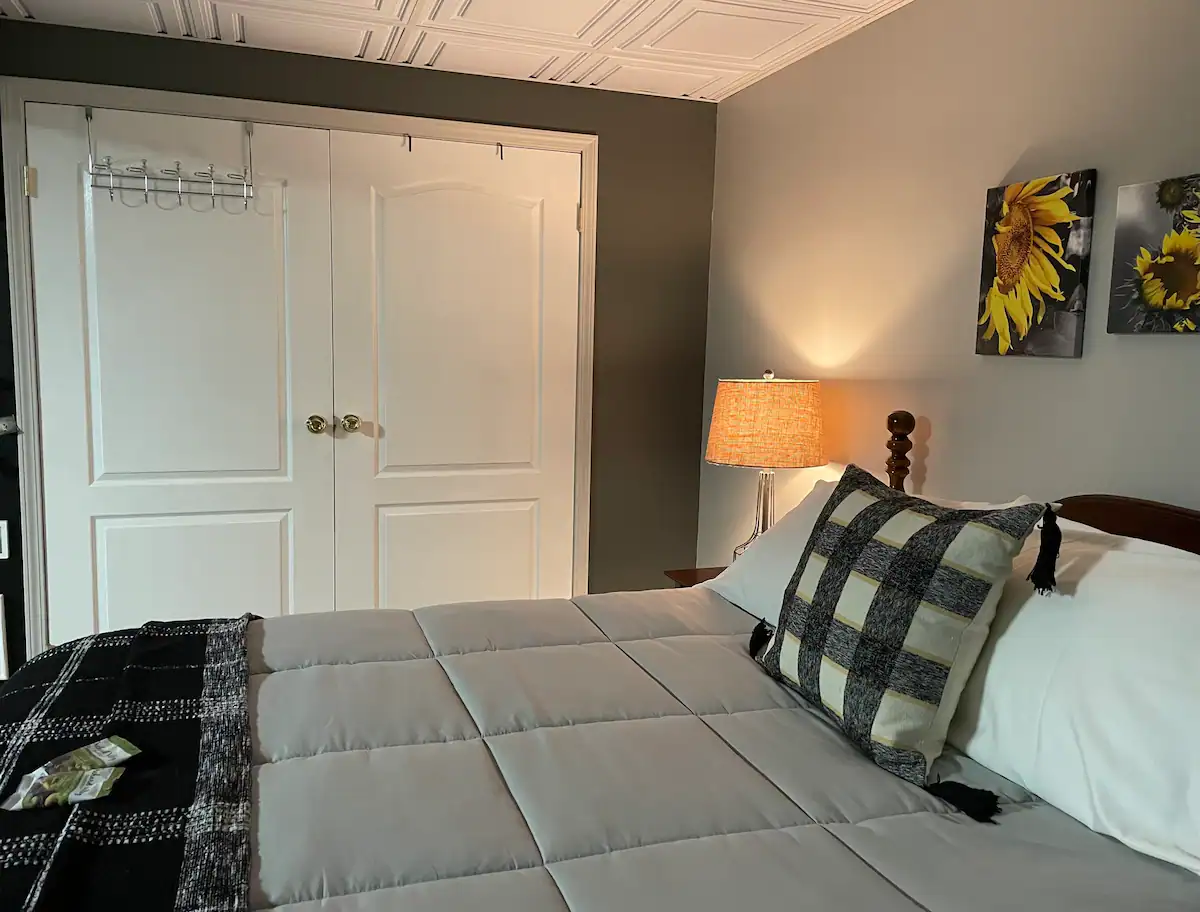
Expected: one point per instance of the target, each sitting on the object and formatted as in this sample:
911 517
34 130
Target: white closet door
456 312
180 351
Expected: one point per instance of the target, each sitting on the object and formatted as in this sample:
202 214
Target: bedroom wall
848 229
654 218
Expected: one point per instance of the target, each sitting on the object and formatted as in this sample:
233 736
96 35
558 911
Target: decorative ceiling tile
706 49
645 78
589 22
303 33
727 31
145 18
486 58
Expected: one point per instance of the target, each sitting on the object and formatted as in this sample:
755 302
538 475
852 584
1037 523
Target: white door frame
15 93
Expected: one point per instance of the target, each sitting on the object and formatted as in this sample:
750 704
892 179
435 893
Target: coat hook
176 173
144 171
500 149
243 176
107 166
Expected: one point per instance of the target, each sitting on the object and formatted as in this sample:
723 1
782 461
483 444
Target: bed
614 752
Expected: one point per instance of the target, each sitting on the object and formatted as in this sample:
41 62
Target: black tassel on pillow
1042 575
978 804
760 637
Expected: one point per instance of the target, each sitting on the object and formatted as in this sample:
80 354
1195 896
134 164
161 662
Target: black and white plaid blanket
175 832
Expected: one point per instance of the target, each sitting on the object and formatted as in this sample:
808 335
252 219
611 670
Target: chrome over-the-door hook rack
104 175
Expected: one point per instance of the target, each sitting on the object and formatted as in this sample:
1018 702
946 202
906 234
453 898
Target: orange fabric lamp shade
767 424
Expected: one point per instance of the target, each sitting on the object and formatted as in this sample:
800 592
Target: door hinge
29 180
579 217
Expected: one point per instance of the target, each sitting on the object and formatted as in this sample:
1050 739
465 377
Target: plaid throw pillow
887 611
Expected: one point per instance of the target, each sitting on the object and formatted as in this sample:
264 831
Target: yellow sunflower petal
1181 243
1050 252
1052 213
1027 305
1012 193
1012 304
1032 272
1049 236
1034 186
1154 292
995 301
1037 256
1062 193
1044 274
1041 311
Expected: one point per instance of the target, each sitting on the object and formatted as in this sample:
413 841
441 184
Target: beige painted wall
848 229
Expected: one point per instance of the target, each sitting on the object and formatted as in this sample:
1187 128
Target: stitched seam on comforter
544 864
776 785
879 873
450 655
772 782
496 766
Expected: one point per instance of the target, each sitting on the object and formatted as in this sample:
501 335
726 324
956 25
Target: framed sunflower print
1156 258
1037 254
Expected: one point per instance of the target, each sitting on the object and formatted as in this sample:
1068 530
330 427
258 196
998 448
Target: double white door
428 289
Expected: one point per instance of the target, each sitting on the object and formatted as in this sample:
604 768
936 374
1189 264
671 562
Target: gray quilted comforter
617 752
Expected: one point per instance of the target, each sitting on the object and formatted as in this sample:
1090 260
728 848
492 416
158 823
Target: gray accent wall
654 219
848 232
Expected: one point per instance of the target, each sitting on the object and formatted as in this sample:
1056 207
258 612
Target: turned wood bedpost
901 424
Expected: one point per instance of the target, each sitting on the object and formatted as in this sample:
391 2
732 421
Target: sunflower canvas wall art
1156 258
1037 254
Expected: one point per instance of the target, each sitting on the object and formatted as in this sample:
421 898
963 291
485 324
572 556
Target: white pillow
756 580
1090 697
978 505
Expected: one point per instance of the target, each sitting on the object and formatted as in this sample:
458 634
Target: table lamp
766 424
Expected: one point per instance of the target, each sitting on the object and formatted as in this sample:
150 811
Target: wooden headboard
1149 520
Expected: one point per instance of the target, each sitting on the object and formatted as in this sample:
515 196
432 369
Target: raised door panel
173 307
176 568
457 552
459 311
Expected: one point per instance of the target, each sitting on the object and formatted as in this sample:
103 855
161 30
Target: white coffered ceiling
705 49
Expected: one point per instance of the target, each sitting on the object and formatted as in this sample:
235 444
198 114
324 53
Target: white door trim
15 93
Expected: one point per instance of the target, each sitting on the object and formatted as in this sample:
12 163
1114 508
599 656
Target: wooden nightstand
691 576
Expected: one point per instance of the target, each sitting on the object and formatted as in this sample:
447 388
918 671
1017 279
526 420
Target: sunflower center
1180 277
1013 246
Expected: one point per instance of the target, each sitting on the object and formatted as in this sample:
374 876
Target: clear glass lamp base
764 512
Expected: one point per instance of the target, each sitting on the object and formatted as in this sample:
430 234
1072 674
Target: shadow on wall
856 426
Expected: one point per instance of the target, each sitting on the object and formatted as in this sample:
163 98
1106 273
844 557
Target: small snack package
84 774
63 788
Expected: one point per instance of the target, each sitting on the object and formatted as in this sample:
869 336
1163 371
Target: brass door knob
351 423
316 424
